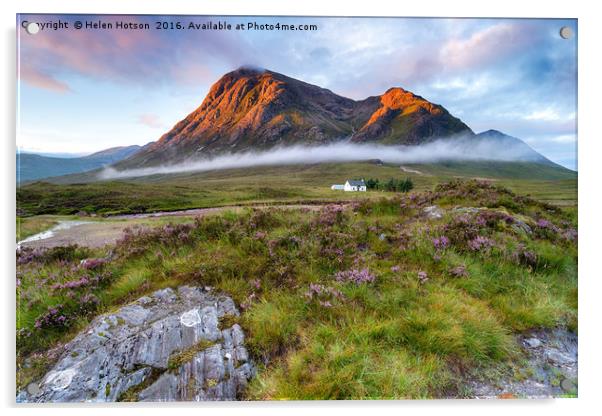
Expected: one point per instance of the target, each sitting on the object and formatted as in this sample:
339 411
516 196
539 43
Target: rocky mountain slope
258 109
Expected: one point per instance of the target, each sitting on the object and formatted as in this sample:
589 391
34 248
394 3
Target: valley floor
430 294
296 184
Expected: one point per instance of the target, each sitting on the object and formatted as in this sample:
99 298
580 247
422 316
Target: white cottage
355 186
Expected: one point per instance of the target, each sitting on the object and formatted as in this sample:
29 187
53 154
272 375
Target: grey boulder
433 212
169 346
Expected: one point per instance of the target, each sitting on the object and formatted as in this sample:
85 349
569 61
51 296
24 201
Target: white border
590 202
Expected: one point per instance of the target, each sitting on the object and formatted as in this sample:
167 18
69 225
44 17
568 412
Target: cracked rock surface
169 346
550 369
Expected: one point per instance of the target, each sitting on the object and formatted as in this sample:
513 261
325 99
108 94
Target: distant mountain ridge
249 109
523 152
31 166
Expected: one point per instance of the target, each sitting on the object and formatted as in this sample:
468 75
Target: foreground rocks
550 369
170 346
433 212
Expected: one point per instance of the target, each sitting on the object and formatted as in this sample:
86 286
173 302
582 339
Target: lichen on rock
169 346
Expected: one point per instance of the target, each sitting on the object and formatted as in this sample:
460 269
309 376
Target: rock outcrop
182 345
550 369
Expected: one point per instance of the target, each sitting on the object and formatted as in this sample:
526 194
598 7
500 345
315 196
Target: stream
62 225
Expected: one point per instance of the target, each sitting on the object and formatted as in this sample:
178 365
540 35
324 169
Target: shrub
323 295
331 215
480 243
525 257
355 276
440 243
54 317
49 255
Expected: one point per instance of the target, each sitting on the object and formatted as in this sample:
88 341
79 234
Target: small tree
392 185
406 185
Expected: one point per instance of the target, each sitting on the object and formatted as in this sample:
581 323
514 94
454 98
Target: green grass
276 184
394 337
182 357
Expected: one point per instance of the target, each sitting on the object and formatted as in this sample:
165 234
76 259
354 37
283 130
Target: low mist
467 149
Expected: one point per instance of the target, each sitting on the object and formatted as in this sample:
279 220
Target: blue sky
83 90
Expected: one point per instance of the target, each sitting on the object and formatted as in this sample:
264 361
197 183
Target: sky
80 91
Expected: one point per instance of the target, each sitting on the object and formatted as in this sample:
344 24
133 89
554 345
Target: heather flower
422 277
27 254
314 290
324 295
524 256
464 218
330 215
248 301
570 234
260 235
355 276
335 292
256 283
89 298
336 254
547 225
271 246
395 269
480 243
72 284
441 243
52 318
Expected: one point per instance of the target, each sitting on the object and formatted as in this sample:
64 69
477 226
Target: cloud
462 149
488 46
565 138
150 120
547 114
41 80
130 56
111 55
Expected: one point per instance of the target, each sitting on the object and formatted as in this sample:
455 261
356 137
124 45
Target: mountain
521 151
113 154
401 117
31 166
250 109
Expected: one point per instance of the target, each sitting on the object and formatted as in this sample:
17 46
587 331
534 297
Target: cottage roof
356 183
